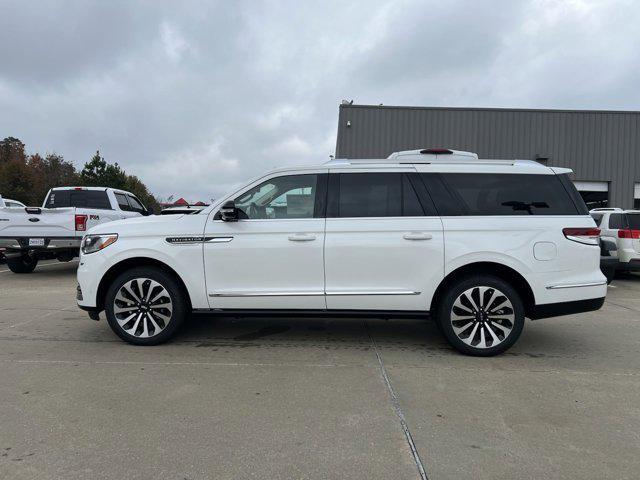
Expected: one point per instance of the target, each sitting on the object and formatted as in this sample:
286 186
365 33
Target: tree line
28 178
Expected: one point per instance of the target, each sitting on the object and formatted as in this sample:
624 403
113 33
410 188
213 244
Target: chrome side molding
576 285
312 294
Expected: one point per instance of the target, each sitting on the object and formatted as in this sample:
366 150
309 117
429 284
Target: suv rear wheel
481 315
22 264
145 306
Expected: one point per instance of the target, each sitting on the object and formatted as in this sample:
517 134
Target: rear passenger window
122 202
501 194
374 195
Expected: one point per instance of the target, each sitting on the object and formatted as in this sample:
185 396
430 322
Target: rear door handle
417 236
302 237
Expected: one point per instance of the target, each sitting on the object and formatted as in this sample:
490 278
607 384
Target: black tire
22 264
610 273
510 315
177 299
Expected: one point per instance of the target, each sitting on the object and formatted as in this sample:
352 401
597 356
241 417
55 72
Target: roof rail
434 153
606 209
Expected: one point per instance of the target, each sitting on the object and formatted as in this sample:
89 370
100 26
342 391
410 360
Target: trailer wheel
22 264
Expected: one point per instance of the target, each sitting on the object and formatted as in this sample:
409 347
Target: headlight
95 243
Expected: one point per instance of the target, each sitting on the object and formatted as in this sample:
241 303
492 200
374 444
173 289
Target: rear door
384 246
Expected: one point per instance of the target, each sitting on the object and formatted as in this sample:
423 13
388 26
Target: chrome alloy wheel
482 317
142 307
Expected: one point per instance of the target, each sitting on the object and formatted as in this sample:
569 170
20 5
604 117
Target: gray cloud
195 97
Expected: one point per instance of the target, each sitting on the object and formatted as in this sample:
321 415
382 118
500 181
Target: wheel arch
128 264
508 274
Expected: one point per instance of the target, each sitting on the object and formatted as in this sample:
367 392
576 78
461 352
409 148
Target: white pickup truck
55 230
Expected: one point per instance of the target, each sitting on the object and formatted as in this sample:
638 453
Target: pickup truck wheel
22 264
481 316
145 306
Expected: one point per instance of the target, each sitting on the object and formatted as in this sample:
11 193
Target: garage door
594 194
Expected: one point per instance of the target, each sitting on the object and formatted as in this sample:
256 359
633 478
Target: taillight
628 233
587 235
81 223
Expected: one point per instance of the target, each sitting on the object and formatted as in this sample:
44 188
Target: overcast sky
196 97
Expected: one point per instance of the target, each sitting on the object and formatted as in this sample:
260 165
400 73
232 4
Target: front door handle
417 236
302 237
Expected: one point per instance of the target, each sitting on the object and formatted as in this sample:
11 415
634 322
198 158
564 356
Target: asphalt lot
294 398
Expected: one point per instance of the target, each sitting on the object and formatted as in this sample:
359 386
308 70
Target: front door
272 257
384 247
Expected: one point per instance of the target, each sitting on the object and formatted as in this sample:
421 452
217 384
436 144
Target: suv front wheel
481 315
145 306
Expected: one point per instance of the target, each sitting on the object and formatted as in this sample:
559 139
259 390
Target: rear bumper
56 243
566 308
632 265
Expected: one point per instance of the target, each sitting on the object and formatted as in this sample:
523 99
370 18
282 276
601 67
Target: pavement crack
622 306
395 402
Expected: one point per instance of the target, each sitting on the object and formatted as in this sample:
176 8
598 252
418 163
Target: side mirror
146 213
229 212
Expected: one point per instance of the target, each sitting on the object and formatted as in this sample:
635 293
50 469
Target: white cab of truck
477 245
55 230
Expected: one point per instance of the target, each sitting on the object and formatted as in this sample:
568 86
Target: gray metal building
602 147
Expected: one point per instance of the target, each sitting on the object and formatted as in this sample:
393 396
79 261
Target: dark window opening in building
595 199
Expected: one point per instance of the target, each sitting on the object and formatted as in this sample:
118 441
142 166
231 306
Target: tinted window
370 195
633 219
410 204
58 199
290 196
136 206
78 198
504 194
597 217
616 221
373 195
122 202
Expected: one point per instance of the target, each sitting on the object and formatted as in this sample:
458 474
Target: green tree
98 173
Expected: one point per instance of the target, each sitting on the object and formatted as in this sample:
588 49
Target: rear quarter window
597 217
500 194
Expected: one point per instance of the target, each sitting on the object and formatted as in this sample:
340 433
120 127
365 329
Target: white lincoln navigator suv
478 245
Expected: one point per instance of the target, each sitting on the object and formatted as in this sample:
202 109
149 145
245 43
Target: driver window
291 196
